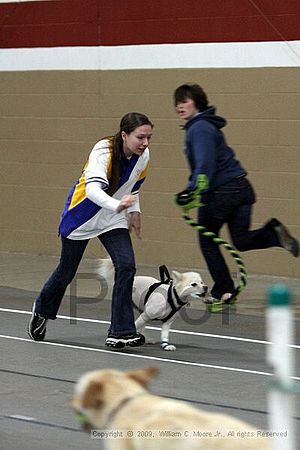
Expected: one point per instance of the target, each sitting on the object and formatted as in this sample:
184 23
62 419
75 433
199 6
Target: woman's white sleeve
96 177
96 194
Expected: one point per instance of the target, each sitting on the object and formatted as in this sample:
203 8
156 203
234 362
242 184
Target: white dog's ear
177 276
142 376
92 397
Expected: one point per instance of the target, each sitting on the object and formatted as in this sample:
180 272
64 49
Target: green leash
192 199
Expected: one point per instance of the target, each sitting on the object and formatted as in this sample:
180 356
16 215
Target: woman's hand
126 202
134 222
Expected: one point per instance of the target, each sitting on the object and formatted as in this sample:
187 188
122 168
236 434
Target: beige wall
49 121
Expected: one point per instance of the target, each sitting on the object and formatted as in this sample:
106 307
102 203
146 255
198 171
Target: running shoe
132 340
214 305
37 326
285 238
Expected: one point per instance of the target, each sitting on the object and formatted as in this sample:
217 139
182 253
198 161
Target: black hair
128 124
194 92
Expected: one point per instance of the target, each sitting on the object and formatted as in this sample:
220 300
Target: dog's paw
168 347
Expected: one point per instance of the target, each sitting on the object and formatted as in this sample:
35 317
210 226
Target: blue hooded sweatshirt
207 151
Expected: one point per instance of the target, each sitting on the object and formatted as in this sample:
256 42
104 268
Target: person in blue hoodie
229 196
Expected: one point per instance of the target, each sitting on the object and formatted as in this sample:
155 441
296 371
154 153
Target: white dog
111 403
159 299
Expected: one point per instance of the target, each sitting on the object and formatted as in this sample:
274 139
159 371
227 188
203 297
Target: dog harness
173 299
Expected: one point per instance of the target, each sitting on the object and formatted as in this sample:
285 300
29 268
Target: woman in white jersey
103 203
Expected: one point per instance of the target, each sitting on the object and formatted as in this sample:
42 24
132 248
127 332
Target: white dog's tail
106 270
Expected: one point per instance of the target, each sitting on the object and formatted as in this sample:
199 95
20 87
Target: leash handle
189 199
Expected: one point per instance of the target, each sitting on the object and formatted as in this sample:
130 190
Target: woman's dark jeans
118 245
230 204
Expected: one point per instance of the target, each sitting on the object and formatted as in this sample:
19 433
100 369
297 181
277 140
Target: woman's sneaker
132 340
285 238
37 326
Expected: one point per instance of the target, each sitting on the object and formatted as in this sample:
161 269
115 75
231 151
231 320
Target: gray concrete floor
219 365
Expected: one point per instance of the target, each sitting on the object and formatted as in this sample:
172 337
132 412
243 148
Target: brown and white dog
120 403
164 301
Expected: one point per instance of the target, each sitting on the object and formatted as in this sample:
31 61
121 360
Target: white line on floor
134 355
114 352
191 333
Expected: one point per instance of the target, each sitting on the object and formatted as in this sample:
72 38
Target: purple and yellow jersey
84 219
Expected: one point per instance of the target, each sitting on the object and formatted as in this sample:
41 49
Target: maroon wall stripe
127 22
